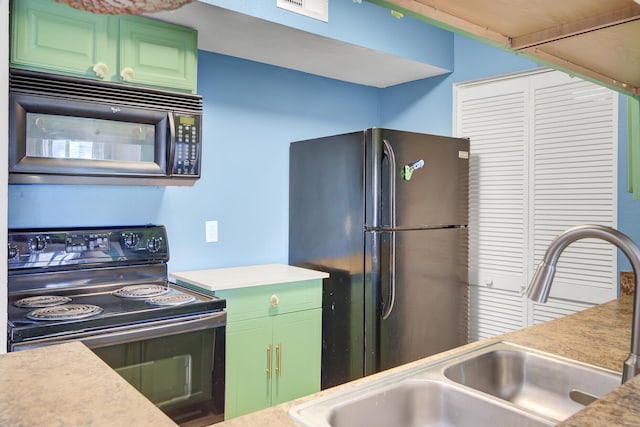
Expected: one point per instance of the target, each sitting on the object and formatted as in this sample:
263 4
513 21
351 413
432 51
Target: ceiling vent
317 9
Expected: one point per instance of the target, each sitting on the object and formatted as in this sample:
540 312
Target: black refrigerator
385 213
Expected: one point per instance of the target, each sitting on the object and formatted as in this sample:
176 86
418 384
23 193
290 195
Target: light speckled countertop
216 279
67 385
599 336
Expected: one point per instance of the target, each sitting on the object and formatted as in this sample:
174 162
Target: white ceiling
231 33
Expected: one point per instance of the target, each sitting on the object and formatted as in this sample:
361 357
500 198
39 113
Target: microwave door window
73 138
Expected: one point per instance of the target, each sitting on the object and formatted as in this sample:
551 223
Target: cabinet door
247 383
54 37
297 341
158 54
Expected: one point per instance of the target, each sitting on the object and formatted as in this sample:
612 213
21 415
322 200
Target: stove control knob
37 244
130 240
12 251
154 244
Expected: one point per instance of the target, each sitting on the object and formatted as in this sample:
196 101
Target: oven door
178 364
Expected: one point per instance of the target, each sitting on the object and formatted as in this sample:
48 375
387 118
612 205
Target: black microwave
68 130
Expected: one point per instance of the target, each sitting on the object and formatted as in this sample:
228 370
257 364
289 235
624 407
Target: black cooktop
116 311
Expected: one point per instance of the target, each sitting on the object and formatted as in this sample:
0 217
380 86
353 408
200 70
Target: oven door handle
155 330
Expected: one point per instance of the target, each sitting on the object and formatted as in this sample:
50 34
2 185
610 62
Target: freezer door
430 311
430 179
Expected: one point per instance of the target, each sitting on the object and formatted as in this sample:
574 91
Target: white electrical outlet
211 231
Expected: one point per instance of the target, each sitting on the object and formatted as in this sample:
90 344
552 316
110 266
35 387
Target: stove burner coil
171 299
65 312
41 301
141 291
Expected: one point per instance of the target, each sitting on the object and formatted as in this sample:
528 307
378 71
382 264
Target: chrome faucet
540 285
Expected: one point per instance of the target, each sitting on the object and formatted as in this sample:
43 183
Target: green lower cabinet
273 357
297 339
247 385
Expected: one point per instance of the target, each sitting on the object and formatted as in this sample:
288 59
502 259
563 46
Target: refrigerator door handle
388 152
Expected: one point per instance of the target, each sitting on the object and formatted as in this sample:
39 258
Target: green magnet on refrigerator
407 170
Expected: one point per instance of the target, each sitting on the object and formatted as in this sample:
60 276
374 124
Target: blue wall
252 112
628 209
427 105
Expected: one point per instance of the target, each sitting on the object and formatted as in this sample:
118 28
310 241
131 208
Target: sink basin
425 403
542 384
497 384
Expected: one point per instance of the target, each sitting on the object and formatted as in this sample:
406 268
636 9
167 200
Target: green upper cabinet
159 54
53 37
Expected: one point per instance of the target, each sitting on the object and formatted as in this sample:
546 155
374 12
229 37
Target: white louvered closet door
494 116
574 168
543 151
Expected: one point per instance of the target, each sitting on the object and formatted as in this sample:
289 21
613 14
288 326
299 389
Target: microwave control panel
186 160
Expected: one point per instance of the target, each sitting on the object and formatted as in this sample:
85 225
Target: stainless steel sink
497 384
426 403
549 386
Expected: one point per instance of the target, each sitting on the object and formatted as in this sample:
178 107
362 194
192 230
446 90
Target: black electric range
82 280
